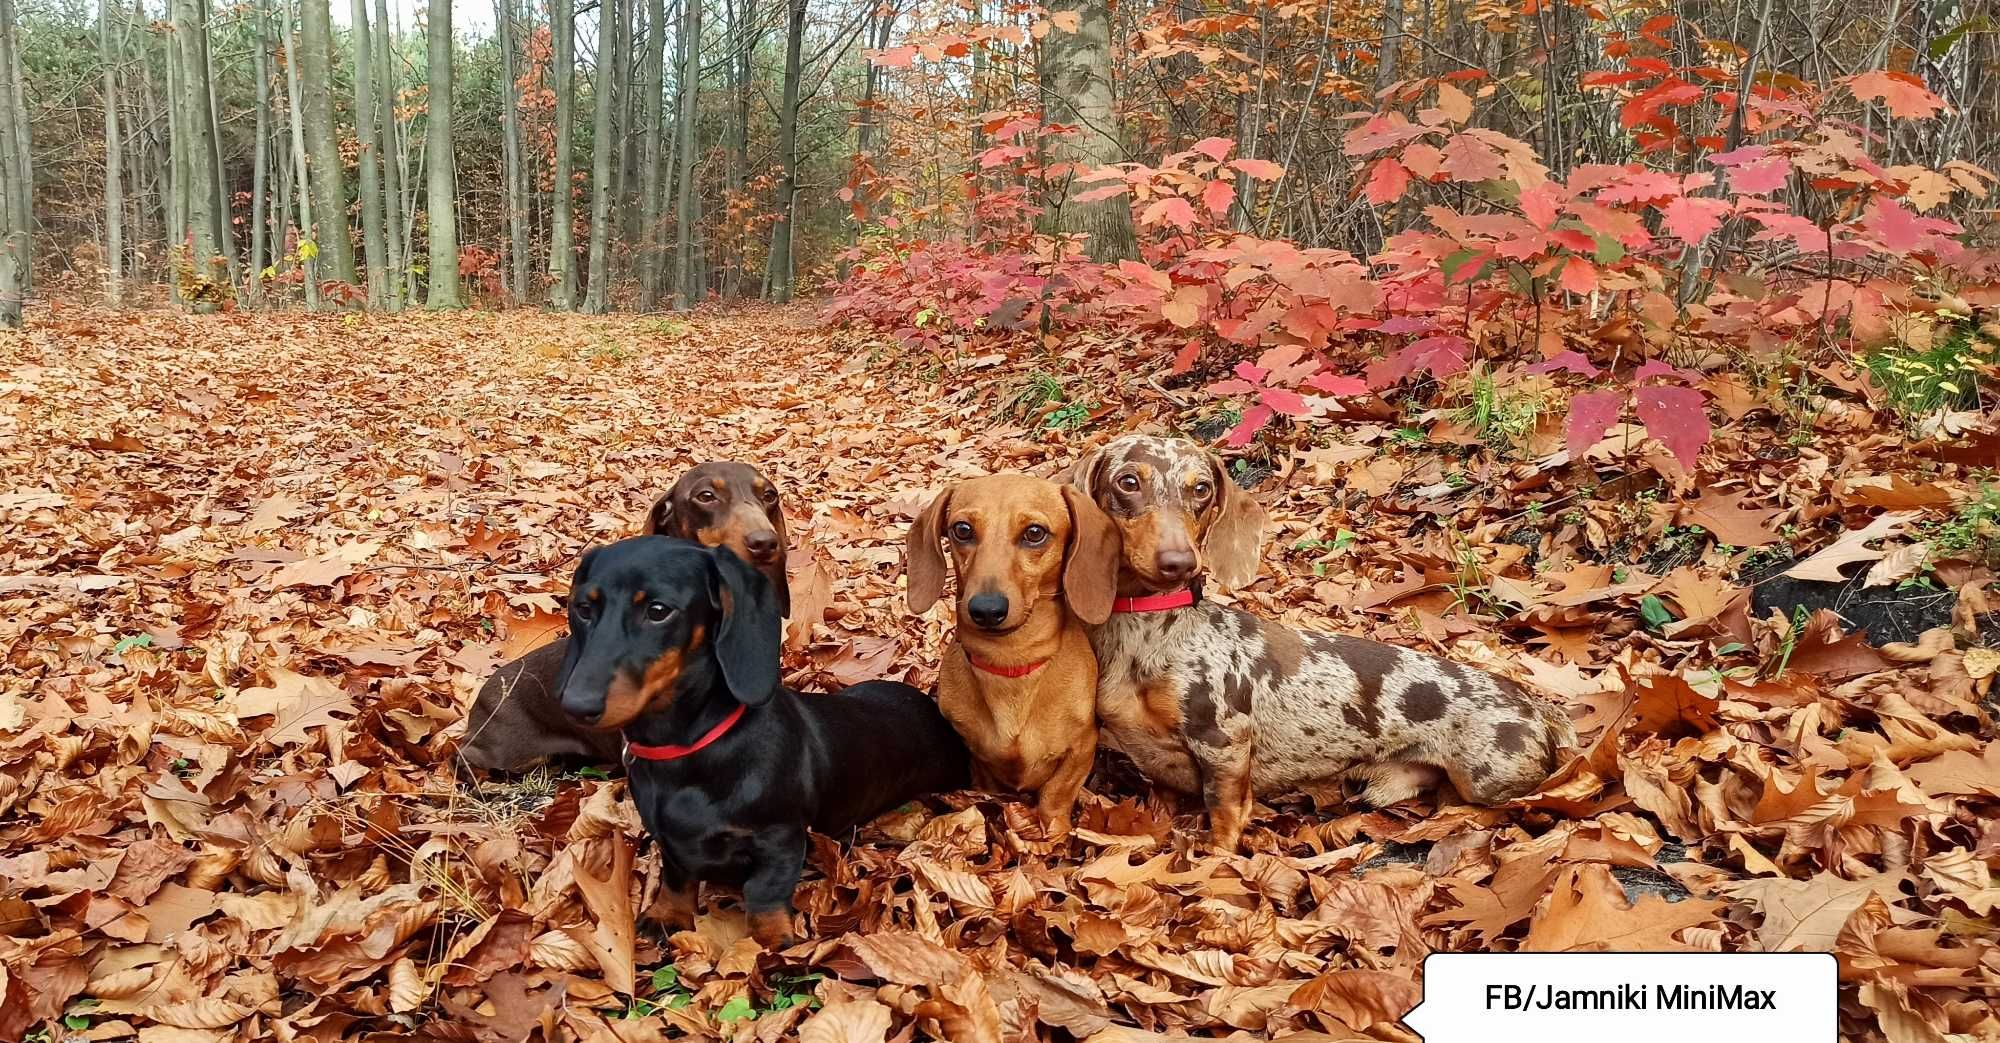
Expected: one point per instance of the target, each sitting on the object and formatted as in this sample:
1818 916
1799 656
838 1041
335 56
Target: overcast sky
467 19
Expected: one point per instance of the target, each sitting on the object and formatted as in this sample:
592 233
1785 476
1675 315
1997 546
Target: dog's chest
1139 698
694 831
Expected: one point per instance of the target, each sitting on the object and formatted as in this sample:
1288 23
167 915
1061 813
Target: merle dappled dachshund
516 721
674 646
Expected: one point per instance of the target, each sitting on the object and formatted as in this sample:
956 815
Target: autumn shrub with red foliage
1754 225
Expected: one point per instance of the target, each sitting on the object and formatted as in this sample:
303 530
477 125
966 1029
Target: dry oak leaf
851 1021
907 958
1807 915
407 988
1587 912
1958 772
1852 546
295 703
323 570
1360 999
1722 514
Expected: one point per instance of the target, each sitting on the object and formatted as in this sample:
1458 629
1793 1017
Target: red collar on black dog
1181 598
674 753
1005 671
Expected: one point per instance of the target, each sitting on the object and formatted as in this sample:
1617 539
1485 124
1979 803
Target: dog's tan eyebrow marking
638 597
596 594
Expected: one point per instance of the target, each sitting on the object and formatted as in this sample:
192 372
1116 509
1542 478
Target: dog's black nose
763 547
1174 564
987 610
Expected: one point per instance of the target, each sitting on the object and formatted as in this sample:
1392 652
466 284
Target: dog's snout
1174 564
763 547
987 610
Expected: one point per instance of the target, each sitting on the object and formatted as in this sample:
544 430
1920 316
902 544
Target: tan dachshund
1035 561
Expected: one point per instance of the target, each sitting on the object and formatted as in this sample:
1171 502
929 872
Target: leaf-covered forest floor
252 567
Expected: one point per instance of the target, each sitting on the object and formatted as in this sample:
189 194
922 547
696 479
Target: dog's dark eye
586 610
770 496
658 612
704 496
962 532
1129 482
1201 490
1034 536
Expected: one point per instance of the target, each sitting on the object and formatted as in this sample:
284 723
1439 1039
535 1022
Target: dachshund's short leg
1057 801
767 894
1391 782
674 906
1225 788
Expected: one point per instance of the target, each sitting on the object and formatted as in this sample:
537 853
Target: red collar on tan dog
1005 671
1181 598
674 753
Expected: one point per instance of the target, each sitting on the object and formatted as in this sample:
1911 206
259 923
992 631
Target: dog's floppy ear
924 564
574 652
660 520
781 586
1236 539
747 641
1083 474
1090 567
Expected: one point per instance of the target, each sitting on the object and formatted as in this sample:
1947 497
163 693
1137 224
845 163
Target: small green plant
1411 436
1918 383
668 327
1501 418
1043 395
1974 531
609 350
1341 540
668 993
126 644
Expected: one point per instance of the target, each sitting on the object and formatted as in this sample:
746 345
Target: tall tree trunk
1076 90
743 43
203 278
400 283
329 189
788 155
517 177
864 131
16 173
176 205
562 236
652 204
441 195
625 159
369 159
225 227
687 270
114 155
301 195
260 160
597 297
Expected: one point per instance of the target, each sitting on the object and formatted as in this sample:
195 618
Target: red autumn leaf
1570 361
1579 276
1261 169
1185 359
894 57
1282 401
1253 421
1466 158
1767 175
1906 95
1692 218
1541 204
1337 385
1387 181
1894 225
1677 416
1170 210
1092 195
1590 415
1217 149
1217 196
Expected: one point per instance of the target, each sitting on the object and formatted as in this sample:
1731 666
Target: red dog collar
1005 671
674 753
1181 598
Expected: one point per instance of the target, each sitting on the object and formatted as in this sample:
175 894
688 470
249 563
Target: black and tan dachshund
676 646
516 721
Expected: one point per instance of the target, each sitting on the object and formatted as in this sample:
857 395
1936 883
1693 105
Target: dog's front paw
772 928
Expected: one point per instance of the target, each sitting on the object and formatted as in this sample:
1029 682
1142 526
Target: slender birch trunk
441 194
687 272
788 156
562 241
114 155
399 285
517 177
597 295
260 160
652 202
301 194
369 159
329 187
